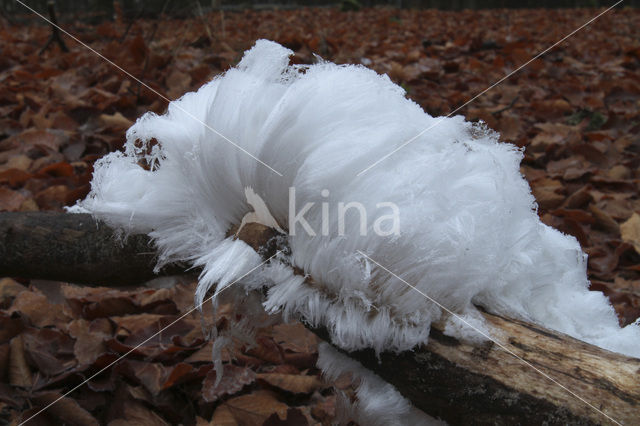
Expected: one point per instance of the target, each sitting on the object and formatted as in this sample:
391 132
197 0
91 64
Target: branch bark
456 381
74 248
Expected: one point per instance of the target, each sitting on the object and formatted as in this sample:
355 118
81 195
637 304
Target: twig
131 22
508 107
55 34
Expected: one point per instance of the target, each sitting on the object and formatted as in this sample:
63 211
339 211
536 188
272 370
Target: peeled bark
450 379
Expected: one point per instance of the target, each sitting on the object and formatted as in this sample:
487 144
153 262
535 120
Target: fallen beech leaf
19 372
580 198
178 82
267 350
61 169
135 413
605 221
550 108
50 350
630 231
19 162
285 369
292 382
10 200
223 417
108 306
178 373
9 289
301 360
65 410
182 296
156 377
619 172
40 311
234 378
173 332
295 337
204 354
255 408
579 216
546 193
10 325
14 177
202 422
90 341
116 121
53 198
295 417
509 127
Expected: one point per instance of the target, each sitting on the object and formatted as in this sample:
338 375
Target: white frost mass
377 403
469 231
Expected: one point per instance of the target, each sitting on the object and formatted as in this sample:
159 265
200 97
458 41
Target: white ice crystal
377 402
469 231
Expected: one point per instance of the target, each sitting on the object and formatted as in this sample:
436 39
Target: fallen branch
74 248
456 381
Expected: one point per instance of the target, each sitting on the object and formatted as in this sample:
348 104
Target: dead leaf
295 417
10 200
605 221
53 198
19 162
115 121
156 377
61 169
223 417
50 350
295 383
11 325
178 83
267 350
14 177
40 311
90 338
255 408
547 193
202 422
135 413
19 372
9 289
295 337
630 231
65 410
234 378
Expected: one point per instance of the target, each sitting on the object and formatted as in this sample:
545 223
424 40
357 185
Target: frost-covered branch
457 381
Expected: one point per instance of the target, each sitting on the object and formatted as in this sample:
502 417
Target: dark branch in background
55 33
456 381
508 107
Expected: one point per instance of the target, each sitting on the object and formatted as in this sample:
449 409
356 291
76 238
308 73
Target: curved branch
456 381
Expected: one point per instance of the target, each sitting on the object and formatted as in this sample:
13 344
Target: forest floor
575 110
